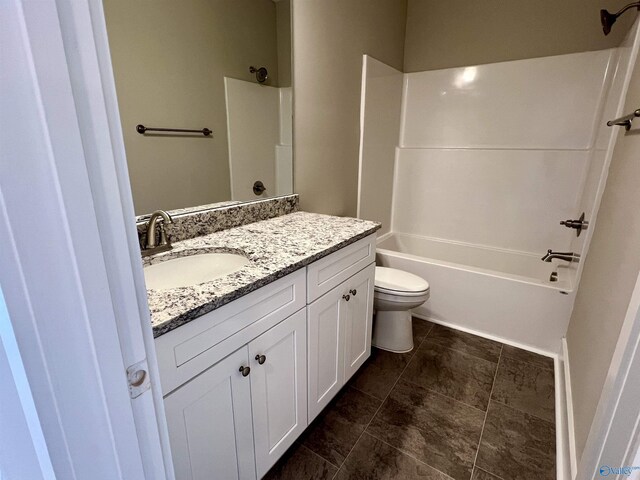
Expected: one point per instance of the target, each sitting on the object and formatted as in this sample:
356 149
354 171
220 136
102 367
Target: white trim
54 283
570 426
563 469
22 445
71 271
92 81
394 189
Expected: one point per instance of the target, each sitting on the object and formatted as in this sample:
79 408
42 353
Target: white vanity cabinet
358 316
210 423
242 382
239 416
339 318
278 389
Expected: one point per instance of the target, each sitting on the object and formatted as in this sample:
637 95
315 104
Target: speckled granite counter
276 247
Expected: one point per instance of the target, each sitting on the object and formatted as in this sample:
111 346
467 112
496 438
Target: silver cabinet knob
353 292
346 297
261 358
245 371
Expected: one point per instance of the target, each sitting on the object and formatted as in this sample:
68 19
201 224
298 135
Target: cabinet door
210 426
279 388
325 349
358 320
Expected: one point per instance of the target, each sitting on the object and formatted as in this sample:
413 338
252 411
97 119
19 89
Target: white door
70 261
210 426
279 388
358 320
325 349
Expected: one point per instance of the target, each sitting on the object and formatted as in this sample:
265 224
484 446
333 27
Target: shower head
608 19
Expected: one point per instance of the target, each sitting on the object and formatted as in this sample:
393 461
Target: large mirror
196 64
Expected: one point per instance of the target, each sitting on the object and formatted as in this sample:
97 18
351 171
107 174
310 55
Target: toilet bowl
396 292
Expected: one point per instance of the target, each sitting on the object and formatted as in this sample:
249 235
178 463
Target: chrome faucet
566 256
151 246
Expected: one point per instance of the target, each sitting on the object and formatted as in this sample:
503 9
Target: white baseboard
568 394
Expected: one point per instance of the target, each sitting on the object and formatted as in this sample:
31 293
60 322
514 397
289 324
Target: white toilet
396 292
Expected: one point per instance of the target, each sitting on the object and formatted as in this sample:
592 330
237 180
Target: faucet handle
579 224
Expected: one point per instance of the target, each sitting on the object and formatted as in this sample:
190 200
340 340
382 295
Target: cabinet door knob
346 297
245 371
353 292
261 358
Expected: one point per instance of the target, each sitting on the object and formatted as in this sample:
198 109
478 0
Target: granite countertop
276 247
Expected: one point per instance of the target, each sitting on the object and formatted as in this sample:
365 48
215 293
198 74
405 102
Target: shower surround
471 169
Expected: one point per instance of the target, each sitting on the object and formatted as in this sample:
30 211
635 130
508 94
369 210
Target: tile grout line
483 470
462 351
526 413
537 367
319 456
408 454
502 345
484 423
415 349
426 340
464 333
530 362
364 393
447 396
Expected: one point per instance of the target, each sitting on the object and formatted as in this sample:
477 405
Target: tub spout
566 256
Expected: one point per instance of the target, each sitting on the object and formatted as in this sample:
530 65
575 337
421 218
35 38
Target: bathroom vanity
249 359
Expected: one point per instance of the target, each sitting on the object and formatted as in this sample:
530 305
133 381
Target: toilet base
392 331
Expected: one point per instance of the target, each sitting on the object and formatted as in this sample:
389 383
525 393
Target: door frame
71 270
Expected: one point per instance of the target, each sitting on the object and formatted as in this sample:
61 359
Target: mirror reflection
223 65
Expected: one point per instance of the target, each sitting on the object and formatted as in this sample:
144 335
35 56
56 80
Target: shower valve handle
578 225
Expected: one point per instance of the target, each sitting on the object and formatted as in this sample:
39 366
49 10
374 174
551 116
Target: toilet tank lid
399 280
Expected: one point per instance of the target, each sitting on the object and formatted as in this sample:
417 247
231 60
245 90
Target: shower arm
608 19
627 7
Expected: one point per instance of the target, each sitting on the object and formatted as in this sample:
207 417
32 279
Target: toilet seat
400 300
396 282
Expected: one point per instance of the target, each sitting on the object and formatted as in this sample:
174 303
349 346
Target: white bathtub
499 294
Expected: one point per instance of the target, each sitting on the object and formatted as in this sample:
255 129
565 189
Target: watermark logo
606 470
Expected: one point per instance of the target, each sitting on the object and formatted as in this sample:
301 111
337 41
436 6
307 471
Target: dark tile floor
457 407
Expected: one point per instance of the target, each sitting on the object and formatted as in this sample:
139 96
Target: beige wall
169 60
283 20
452 33
609 275
329 39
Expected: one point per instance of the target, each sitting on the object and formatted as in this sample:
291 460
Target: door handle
261 358
346 297
244 370
353 292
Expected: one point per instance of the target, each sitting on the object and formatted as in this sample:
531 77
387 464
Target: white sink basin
192 270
